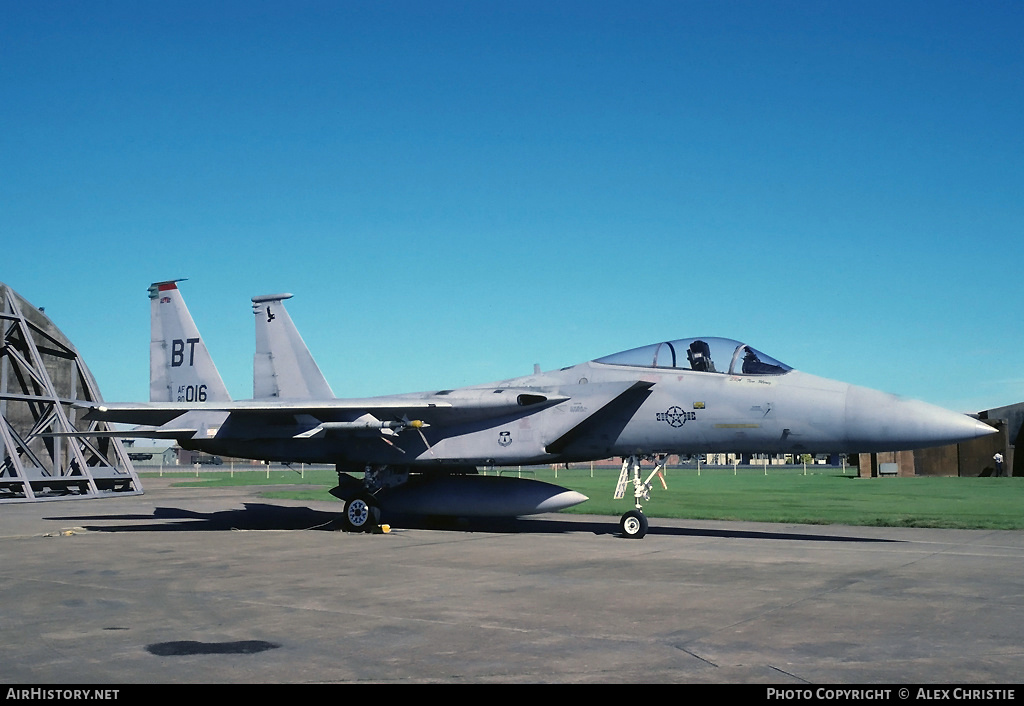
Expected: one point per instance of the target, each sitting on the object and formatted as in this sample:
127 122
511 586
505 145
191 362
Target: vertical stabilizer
180 367
283 366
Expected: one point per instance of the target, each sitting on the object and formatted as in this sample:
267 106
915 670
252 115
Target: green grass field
783 495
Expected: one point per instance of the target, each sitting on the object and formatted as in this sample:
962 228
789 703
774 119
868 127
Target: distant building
969 459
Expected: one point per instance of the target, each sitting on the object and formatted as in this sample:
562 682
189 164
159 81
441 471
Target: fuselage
636 403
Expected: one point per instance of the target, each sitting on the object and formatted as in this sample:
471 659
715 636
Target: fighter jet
419 452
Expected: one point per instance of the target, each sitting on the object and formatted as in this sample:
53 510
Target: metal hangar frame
41 374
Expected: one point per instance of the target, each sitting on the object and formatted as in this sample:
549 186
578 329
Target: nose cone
877 421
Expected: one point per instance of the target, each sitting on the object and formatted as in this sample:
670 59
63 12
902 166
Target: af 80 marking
191 393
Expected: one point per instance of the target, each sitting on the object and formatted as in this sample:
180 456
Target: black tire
362 513
633 525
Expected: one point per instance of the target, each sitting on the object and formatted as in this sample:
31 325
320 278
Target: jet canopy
706 355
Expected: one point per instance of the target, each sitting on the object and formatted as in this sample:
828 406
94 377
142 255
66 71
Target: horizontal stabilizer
146 433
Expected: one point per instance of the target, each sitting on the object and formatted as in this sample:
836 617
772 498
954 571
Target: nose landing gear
634 523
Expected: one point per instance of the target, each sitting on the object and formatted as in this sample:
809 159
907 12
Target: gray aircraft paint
686 396
181 369
283 367
600 408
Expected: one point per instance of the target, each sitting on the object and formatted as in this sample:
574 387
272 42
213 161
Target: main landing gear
361 511
634 523
362 514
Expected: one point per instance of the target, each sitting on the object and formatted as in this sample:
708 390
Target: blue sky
455 191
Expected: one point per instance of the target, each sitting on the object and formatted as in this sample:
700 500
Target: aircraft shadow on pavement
267 516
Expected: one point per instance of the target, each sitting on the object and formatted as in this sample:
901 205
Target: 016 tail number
191 393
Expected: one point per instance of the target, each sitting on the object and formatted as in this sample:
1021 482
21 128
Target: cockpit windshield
707 355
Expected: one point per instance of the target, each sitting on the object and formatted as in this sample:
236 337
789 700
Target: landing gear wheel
362 514
633 525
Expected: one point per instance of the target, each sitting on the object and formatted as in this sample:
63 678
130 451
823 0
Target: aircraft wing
612 415
158 414
335 415
613 404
